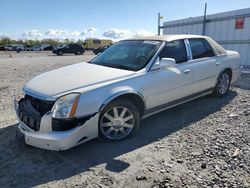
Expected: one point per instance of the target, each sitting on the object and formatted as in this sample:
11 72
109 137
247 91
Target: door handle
217 63
187 71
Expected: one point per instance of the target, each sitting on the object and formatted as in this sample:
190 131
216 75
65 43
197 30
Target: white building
230 29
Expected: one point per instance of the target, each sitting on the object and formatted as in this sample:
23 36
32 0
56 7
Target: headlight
65 107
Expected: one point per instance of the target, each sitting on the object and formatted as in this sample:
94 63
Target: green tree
5 41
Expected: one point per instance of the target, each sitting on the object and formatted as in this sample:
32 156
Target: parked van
91 44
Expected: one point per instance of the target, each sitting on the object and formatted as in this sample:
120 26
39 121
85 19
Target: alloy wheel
224 82
117 122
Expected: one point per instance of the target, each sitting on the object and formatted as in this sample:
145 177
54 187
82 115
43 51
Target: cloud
117 33
124 33
143 33
62 34
55 32
75 34
91 30
33 33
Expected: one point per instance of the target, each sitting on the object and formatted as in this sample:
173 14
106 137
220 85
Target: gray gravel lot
203 143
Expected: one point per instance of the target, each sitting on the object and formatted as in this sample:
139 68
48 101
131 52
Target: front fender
94 101
116 92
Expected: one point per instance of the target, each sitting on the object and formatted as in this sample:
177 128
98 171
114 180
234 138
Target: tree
5 41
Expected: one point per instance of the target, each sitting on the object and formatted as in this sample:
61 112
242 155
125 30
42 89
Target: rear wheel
223 84
60 53
118 120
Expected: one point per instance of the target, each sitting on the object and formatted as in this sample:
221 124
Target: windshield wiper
115 66
119 66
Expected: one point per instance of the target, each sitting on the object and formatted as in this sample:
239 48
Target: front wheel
118 120
78 53
223 84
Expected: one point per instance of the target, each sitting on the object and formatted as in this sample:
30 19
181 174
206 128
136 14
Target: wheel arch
227 69
135 97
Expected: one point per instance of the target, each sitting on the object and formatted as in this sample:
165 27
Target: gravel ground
203 143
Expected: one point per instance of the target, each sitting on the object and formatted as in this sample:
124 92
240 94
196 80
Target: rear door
205 66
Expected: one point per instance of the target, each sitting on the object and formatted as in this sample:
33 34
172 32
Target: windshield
129 55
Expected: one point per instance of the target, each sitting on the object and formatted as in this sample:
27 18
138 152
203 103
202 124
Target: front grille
31 111
42 106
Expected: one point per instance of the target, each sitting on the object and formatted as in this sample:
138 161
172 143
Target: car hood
71 78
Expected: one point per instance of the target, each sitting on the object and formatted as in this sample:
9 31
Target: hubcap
223 83
117 122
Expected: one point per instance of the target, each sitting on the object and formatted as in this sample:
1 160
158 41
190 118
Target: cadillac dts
108 96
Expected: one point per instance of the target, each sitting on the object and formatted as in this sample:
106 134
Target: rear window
200 48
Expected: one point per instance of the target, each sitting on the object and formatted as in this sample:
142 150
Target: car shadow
25 166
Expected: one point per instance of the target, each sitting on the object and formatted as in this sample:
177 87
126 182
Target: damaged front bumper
48 139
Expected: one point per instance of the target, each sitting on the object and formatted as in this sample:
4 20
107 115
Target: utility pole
159 23
204 20
159 27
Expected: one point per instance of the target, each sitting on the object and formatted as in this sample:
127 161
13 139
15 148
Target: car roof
167 37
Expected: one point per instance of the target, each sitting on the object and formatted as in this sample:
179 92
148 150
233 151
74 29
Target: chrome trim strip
168 105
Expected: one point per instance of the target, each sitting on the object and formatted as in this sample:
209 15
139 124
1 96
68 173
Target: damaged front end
38 127
31 110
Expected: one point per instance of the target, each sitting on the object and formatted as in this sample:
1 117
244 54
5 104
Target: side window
176 50
96 41
200 48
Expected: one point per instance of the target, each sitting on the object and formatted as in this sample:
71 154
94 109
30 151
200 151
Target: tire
118 124
223 84
78 53
60 53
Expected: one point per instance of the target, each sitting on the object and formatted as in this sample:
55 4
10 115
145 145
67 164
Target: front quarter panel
93 101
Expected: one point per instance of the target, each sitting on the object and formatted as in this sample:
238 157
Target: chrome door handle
187 71
217 63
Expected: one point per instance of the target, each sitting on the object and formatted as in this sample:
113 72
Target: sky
114 19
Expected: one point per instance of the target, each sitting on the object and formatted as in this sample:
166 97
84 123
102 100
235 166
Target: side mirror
167 63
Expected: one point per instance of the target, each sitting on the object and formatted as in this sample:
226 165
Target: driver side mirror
164 63
167 63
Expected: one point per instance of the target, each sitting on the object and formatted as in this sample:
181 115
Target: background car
14 47
2 48
18 47
100 49
43 47
69 48
48 48
8 48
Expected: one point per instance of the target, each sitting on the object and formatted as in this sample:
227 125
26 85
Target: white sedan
133 79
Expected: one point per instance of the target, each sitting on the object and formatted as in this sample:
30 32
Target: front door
169 86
